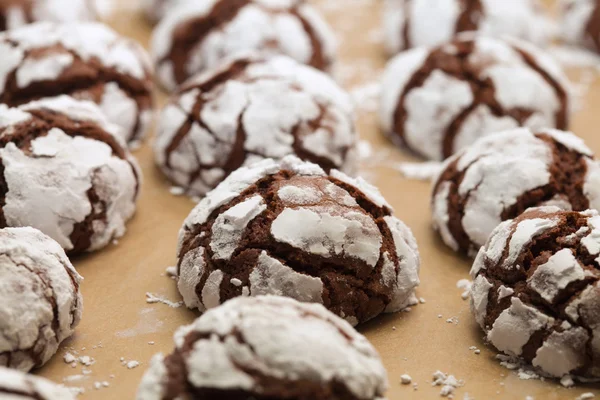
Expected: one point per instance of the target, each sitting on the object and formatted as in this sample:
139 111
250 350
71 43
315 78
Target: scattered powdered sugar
523 370
405 379
464 285
586 396
177 191
132 364
448 383
422 171
153 298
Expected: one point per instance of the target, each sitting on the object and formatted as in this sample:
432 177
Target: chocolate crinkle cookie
416 23
40 302
200 35
15 385
16 13
287 228
438 101
580 23
88 61
65 170
502 175
267 347
250 109
536 290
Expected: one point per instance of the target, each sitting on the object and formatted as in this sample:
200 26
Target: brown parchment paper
119 323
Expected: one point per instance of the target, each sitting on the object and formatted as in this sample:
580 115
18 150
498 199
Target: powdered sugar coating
416 23
253 345
40 302
14 14
250 109
537 300
156 10
77 184
197 36
30 387
439 101
88 61
480 182
247 230
577 19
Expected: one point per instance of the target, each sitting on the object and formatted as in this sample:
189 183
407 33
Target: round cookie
536 290
267 347
88 61
200 35
65 170
438 101
250 109
40 302
415 23
287 228
20 386
16 13
580 23
502 175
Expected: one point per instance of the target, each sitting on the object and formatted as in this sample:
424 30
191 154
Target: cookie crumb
69 358
132 364
567 381
405 379
586 396
236 282
422 300
465 286
151 343
448 383
177 191
86 360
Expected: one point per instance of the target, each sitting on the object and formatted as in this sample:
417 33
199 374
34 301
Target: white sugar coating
440 211
479 298
562 352
281 339
504 291
30 387
488 185
37 182
352 234
240 180
333 226
524 233
279 106
63 11
230 225
272 277
267 26
49 52
574 18
407 277
549 279
40 302
514 327
429 110
433 22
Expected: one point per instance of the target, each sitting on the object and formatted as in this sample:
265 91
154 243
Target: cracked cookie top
88 61
200 35
18 385
580 23
438 101
417 23
288 228
502 175
40 302
536 290
16 13
267 348
250 109
65 170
